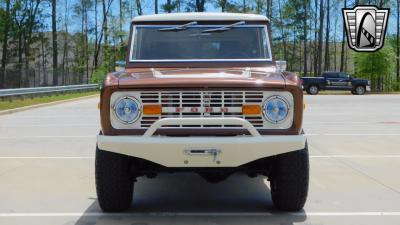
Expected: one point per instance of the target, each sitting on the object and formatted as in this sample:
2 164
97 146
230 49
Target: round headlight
127 109
276 109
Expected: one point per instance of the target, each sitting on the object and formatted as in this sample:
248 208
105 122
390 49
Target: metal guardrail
46 90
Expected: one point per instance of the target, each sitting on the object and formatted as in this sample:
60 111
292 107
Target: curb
20 109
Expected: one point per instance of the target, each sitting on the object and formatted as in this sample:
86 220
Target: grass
332 92
4 105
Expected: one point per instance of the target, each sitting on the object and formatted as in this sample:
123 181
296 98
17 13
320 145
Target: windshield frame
133 34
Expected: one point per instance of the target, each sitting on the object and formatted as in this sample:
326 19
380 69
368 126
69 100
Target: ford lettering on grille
203 110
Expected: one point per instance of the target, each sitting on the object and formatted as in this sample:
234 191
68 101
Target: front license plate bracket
214 152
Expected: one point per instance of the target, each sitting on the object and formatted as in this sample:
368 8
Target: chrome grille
184 104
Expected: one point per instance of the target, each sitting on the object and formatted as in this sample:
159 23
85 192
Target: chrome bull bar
202 121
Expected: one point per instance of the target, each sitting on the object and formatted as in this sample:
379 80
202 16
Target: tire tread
290 179
114 184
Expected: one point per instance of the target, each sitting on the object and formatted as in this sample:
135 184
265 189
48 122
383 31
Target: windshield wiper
179 27
223 28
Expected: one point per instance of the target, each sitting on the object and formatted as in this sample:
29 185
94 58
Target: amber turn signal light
251 109
152 109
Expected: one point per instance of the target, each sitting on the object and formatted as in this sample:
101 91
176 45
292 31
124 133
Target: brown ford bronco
201 92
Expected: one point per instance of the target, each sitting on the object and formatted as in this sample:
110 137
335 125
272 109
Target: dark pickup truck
335 81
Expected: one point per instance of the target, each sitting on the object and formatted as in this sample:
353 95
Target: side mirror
120 66
281 65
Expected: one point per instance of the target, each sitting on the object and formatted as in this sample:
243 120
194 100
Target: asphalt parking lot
47 171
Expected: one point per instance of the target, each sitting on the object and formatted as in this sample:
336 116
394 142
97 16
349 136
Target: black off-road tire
289 180
114 183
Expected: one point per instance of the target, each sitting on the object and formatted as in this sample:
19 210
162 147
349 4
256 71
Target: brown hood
144 78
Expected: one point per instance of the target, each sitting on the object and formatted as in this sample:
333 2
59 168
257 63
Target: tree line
59 42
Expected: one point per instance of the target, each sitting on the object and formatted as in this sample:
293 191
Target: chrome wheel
360 90
313 90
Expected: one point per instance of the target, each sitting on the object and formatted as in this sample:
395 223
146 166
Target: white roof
200 16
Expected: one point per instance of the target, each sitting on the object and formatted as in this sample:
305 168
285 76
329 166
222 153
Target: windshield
200 43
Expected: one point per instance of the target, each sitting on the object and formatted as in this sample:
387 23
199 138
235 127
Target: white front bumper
172 151
201 151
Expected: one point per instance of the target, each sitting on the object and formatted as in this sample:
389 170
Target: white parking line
48 137
311 156
338 122
99 214
47 157
354 156
49 125
94 136
353 134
